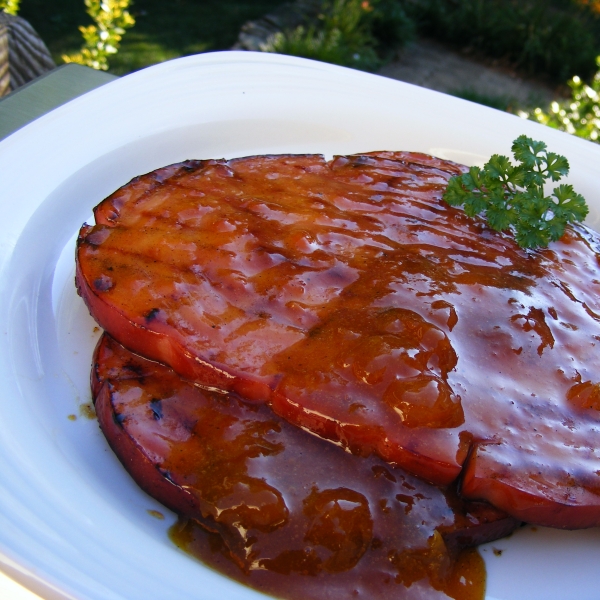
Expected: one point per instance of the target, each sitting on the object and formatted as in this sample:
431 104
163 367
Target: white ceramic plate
72 524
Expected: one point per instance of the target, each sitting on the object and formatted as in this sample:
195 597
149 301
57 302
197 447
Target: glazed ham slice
352 300
287 504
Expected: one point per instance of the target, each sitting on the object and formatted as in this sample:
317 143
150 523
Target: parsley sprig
511 197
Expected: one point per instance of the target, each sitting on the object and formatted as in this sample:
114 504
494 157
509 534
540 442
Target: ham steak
285 502
352 300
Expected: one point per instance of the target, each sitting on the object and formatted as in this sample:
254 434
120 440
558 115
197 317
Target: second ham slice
294 512
347 296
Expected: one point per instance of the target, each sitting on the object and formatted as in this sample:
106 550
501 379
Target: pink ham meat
287 504
350 298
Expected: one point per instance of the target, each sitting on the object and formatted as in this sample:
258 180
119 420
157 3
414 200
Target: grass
164 29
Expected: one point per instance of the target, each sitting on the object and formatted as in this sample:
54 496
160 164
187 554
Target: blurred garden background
163 29
552 43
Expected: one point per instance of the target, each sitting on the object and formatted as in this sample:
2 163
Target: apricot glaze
351 299
292 515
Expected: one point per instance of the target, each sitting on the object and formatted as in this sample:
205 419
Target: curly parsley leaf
511 196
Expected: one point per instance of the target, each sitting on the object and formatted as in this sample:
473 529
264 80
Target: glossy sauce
465 579
294 516
360 307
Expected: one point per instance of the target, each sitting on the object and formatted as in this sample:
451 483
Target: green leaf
526 151
474 204
517 176
511 197
499 218
472 179
499 167
571 201
556 228
558 166
528 236
455 192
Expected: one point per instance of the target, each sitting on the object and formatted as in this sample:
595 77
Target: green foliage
503 103
511 197
163 30
391 26
354 33
102 39
341 36
10 6
550 38
580 115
